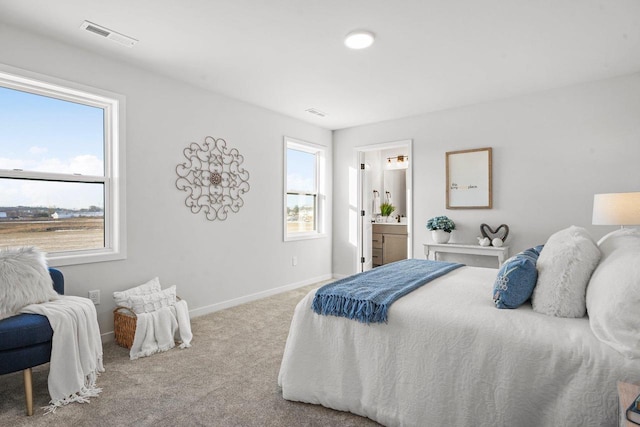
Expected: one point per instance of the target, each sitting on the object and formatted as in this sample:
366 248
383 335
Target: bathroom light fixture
400 161
359 39
400 158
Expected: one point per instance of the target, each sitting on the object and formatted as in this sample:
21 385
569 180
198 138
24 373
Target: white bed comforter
448 357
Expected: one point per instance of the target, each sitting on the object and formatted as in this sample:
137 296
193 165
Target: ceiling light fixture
108 34
359 39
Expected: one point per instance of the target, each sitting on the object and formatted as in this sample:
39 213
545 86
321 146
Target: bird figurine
484 241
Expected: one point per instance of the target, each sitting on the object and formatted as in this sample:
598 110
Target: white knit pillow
152 302
122 298
564 268
24 280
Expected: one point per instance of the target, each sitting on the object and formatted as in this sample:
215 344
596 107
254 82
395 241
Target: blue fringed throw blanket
366 296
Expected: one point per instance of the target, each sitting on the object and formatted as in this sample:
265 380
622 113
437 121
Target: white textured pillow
564 268
152 302
619 239
122 298
24 280
613 295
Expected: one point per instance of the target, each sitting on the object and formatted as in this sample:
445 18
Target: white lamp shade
616 209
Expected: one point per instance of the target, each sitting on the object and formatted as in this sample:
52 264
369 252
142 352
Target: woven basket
124 326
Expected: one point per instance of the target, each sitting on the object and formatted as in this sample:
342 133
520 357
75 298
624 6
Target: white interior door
366 219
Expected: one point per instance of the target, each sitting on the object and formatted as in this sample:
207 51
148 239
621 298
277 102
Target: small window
58 171
304 184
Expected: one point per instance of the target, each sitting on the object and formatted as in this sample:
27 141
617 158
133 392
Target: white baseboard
107 337
201 311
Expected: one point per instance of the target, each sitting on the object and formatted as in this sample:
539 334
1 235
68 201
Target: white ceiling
288 55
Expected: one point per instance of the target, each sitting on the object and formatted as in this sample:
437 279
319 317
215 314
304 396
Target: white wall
552 151
212 263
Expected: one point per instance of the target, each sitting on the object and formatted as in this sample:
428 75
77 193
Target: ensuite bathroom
386 185
387 173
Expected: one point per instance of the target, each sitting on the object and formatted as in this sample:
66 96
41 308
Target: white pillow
122 298
152 302
613 295
621 238
24 280
564 268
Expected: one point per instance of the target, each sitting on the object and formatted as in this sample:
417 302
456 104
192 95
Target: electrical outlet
294 261
94 296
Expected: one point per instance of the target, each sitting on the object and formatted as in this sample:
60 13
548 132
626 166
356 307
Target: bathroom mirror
395 187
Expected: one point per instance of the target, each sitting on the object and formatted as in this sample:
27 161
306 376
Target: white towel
76 349
375 210
157 331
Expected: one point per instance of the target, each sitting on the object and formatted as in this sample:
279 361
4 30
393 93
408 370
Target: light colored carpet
227 378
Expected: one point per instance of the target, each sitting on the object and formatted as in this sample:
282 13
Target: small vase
440 236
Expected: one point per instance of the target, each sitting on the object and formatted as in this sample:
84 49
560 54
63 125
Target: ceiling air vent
316 112
108 34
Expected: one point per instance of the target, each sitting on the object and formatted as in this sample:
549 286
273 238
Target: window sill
305 236
62 259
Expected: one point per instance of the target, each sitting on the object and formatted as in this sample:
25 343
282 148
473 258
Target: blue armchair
25 342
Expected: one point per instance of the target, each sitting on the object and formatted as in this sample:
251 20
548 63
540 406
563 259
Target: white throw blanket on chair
157 331
76 349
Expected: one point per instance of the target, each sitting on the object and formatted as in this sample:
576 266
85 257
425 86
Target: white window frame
113 106
321 175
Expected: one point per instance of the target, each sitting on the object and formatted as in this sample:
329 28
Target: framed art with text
469 179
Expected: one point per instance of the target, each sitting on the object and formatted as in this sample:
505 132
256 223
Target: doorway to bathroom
385 182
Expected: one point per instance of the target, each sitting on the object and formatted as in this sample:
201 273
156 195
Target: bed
447 356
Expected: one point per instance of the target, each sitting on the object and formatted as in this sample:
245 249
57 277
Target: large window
304 185
60 185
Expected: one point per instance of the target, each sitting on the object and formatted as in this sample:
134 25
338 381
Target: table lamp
616 209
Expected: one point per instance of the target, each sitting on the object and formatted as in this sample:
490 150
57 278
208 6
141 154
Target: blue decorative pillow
516 279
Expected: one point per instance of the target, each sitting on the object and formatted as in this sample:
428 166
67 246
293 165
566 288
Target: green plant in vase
386 209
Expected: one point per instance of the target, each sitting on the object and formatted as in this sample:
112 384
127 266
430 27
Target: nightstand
626 394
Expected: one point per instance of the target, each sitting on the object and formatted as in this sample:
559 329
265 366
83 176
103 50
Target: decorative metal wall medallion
213 178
